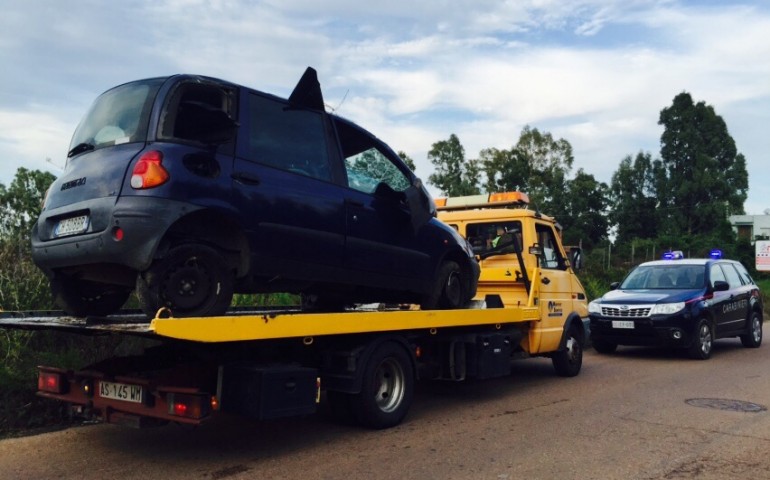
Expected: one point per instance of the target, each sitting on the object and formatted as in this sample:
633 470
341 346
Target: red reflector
117 234
50 382
188 406
148 171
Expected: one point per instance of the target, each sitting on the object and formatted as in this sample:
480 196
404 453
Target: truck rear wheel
387 388
191 280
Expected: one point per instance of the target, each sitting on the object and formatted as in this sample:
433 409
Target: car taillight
189 406
51 382
148 171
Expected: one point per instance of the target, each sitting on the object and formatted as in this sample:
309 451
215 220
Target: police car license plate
120 391
622 324
71 226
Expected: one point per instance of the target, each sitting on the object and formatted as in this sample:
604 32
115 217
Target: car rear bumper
125 232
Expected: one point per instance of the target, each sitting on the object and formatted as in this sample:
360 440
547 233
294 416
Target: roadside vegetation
679 201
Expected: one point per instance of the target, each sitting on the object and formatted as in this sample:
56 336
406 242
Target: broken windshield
119 115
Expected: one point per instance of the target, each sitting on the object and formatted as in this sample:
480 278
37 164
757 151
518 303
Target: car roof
687 261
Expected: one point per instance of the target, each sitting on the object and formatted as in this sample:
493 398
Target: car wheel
82 297
603 346
191 281
703 342
387 388
753 339
448 291
567 362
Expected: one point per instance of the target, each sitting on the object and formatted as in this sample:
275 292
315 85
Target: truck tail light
149 171
188 406
51 382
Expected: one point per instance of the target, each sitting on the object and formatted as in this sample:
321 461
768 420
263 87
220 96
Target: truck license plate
622 324
71 226
120 391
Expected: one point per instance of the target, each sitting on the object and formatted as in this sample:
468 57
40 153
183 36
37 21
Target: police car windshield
671 277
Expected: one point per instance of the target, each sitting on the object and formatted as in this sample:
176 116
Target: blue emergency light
716 254
673 255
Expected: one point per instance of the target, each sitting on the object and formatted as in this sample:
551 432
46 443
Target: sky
596 73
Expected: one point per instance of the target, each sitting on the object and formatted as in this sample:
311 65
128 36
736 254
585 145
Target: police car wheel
703 342
753 338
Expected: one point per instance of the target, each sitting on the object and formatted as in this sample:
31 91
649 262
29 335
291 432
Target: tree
706 177
634 194
21 202
506 170
454 176
537 164
585 220
22 285
407 160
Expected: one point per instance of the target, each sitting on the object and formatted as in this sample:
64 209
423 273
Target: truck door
555 299
283 187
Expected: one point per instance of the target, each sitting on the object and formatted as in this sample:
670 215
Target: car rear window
119 115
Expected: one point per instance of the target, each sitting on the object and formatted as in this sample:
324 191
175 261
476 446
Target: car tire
387 388
703 341
191 281
449 289
568 361
82 298
753 339
603 346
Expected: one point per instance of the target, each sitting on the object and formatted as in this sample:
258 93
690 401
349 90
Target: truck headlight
595 307
666 308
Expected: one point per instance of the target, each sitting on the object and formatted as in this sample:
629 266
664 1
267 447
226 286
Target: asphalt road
626 416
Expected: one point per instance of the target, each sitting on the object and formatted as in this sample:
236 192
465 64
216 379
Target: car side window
367 162
716 274
199 113
551 257
745 277
732 275
287 138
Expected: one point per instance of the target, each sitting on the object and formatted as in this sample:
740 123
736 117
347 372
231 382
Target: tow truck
364 362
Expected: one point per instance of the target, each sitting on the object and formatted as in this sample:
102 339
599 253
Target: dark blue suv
679 303
190 188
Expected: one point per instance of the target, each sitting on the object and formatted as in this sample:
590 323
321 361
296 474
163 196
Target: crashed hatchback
188 189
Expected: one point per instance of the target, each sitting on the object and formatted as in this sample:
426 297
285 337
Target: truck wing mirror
576 258
536 250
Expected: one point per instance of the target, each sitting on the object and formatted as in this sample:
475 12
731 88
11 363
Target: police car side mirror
614 285
721 286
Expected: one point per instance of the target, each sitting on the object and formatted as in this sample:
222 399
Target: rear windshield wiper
80 148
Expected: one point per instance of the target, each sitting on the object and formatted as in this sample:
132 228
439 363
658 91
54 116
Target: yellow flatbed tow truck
274 363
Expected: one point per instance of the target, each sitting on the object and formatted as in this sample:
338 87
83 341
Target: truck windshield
676 277
119 115
494 238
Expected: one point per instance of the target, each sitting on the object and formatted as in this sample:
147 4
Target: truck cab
516 248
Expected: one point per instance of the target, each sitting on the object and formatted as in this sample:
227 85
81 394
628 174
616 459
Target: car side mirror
721 286
614 285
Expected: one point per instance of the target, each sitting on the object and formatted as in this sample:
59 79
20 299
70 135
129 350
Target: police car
679 302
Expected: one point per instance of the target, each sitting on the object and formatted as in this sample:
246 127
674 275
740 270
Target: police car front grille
627 312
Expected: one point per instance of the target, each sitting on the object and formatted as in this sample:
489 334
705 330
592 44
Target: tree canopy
454 175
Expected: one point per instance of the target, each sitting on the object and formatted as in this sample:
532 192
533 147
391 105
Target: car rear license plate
120 391
622 324
71 226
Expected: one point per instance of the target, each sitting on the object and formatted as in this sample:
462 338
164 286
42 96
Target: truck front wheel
568 361
387 388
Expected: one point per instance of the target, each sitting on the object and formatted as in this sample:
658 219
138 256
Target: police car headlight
666 308
595 307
